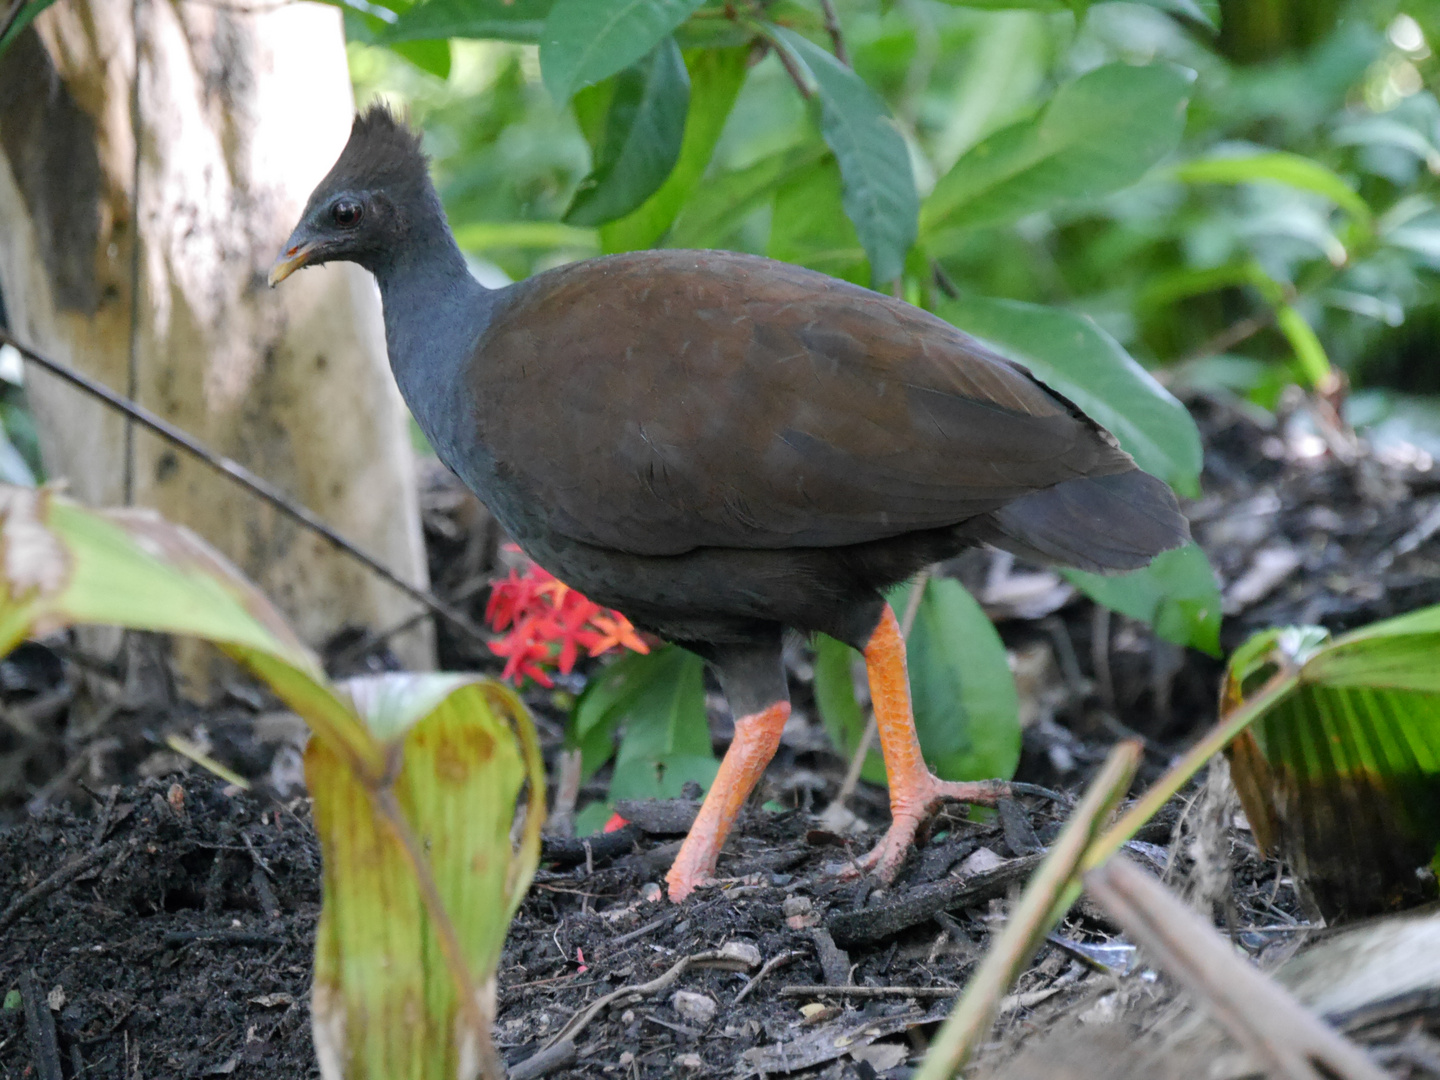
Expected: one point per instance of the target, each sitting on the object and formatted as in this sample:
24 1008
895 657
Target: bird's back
662 401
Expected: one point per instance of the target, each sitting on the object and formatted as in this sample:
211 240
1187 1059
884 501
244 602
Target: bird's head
364 210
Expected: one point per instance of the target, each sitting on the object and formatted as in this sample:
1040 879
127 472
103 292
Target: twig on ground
582 1019
242 476
40 1029
770 965
58 880
872 991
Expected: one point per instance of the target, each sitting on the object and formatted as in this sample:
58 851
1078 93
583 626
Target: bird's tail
1096 523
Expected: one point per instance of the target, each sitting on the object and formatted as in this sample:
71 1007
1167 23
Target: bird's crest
383 151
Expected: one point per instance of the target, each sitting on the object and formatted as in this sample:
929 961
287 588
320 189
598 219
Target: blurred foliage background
1189 276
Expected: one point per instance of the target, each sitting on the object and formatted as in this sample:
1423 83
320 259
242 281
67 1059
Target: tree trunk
241 108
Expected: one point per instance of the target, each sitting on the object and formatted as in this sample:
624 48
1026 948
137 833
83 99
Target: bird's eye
347 213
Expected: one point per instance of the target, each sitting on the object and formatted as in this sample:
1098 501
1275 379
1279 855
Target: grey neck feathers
434 308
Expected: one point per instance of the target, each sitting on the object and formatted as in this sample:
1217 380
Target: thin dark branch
791 69
132 359
11 16
245 478
832 27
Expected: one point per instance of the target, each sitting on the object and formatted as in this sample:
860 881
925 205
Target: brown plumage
722 446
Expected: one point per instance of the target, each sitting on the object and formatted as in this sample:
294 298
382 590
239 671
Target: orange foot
914 790
885 858
756 738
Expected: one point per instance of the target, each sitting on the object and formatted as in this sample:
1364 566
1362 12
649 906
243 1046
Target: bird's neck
434 312
434 308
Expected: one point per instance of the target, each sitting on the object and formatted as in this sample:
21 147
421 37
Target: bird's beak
291 259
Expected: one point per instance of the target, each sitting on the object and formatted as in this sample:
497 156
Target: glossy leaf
840 711
809 227
1176 595
489 235
637 139
1073 356
715 79
659 700
1292 170
879 187
666 739
966 706
585 41
503 20
1098 134
1341 772
719 204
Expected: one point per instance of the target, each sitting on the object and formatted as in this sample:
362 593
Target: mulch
157 923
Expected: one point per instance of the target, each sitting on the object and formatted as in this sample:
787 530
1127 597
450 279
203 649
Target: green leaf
589 40
666 740
23 19
1176 594
718 205
638 141
880 197
606 700
840 711
379 953
809 227
1098 134
1342 772
1078 360
1291 170
502 20
966 706
432 56
715 79
489 235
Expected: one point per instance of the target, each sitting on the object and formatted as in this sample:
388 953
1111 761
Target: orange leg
756 738
914 790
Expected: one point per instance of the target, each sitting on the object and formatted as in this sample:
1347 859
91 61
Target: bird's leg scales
756 738
914 790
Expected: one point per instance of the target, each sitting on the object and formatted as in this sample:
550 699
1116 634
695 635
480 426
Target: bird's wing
662 401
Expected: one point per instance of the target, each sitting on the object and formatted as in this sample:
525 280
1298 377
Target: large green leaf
504 20
715 79
718 205
1291 170
666 739
1098 134
966 706
659 700
1176 594
588 40
638 138
1342 772
1073 356
809 227
378 951
879 193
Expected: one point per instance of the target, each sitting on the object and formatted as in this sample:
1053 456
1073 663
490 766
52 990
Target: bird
726 449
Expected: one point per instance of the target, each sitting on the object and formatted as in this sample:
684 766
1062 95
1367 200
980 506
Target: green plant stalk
1032 919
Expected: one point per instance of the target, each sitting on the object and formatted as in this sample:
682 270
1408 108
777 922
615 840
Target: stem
832 27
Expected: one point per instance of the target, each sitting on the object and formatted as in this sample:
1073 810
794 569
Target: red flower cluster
547 623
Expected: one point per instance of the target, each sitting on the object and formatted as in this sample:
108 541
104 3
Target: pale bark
242 109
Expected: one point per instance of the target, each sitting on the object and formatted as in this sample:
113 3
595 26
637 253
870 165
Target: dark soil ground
155 922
